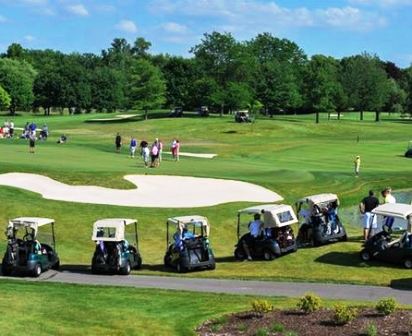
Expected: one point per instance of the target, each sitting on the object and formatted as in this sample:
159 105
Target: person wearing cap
357 163
255 230
369 221
388 198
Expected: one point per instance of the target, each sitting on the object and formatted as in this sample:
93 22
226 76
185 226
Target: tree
204 91
146 86
324 92
17 78
365 82
238 95
279 68
141 47
5 99
106 89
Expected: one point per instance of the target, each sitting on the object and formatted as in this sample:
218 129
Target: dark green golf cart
25 253
188 247
113 253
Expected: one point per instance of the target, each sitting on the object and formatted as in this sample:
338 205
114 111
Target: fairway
288 155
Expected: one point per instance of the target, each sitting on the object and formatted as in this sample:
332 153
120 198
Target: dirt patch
320 323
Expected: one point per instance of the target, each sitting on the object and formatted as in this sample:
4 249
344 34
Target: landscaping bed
319 323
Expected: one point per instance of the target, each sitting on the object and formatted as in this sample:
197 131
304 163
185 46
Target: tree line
265 74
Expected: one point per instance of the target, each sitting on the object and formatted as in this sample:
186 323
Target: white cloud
173 27
382 3
257 14
79 10
29 38
127 26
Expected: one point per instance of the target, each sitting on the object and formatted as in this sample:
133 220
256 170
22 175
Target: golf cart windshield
111 229
197 225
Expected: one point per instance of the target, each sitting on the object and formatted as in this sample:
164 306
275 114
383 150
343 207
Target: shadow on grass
81 269
346 259
403 284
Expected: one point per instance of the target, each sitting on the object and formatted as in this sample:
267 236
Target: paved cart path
240 287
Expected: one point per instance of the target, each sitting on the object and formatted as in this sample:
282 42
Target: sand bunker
157 191
196 155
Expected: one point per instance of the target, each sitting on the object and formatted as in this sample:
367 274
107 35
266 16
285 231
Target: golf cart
203 111
189 246
24 252
277 236
320 221
382 246
113 254
176 112
242 116
408 152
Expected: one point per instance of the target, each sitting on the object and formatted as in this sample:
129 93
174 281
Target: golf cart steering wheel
26 236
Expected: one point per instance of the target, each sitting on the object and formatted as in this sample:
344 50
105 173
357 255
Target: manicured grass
288 154
55 309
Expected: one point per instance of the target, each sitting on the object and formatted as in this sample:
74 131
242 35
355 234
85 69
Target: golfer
118 142
357 163
369 221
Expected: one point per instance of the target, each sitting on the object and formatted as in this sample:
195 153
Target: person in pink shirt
177 150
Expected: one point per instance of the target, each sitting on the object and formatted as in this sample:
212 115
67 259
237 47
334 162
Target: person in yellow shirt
357 163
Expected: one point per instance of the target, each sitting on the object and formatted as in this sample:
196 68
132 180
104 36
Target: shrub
261 332
218 323
371 330
291 333
261 306
309 303
277 328
242 327
344 314
386 306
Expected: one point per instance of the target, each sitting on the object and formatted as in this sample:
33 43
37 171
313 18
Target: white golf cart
188 246
276 237
320 223
382 246
113 253
24 252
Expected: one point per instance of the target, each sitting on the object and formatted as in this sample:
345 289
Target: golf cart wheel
407 263
344 238
239 254
36 270
213 266
180 268
268 255
365 255
139 263
126 270
6 270
56 266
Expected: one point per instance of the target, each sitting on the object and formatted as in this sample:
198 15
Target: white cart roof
320 198
29 222
111 229
274 215
195 219
398 210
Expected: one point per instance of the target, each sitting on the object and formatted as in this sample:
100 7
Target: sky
331 27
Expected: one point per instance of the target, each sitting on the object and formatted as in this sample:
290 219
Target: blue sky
331 27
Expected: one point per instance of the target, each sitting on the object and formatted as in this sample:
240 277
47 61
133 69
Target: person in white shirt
388 198
255 230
